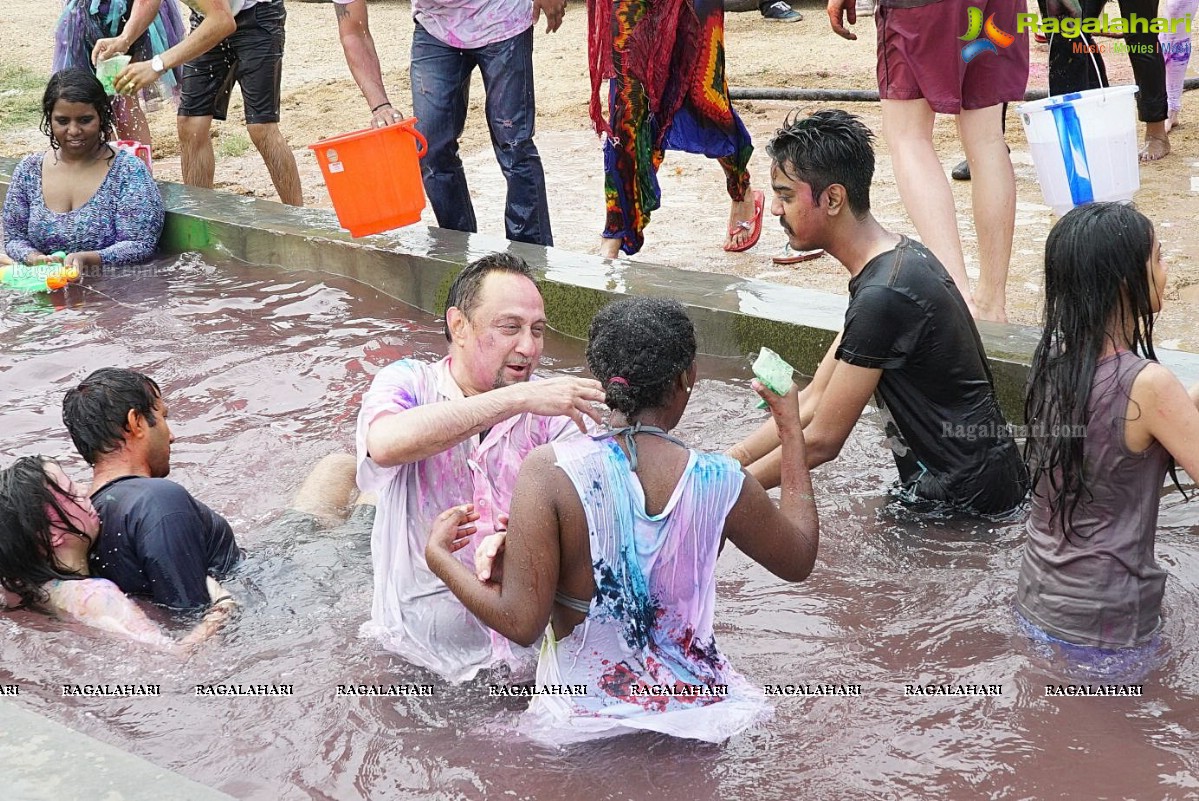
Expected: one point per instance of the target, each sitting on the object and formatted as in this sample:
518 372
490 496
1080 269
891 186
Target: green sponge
774 372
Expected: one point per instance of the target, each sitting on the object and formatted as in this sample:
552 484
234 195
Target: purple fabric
122 221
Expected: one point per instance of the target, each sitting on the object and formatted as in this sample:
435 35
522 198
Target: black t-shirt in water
158 541
950 440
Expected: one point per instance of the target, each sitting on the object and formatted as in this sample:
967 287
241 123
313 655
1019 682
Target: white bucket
1084 146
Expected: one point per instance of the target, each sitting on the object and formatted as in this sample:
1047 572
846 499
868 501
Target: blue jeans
440 91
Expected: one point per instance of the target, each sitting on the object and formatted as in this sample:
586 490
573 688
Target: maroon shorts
920 56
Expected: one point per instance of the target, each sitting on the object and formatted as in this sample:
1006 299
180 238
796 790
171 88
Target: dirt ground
320 99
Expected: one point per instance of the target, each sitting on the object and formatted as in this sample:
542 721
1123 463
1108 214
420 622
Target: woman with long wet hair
1105 421
47 527
81 196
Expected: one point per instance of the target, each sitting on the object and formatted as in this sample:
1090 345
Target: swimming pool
263 370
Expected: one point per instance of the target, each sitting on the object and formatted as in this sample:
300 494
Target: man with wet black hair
431 436
908 336
156 540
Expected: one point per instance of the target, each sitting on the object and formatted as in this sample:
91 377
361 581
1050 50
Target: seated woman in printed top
82 197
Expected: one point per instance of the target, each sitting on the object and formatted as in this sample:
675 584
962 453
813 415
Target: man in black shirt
908 336
156 540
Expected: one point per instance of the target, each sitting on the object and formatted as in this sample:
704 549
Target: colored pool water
263 371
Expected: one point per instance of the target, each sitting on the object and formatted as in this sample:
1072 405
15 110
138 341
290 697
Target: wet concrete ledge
45 761
733 316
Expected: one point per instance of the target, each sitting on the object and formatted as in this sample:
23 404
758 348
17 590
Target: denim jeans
440 93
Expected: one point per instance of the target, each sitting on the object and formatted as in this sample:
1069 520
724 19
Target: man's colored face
800 216
504 334
158 442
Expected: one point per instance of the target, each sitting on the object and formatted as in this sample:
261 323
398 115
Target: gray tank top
1100 586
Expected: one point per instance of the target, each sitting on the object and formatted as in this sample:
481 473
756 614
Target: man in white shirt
432 436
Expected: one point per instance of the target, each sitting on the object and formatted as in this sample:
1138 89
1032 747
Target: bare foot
609 247
994 314
742 211
1157 145
1172 121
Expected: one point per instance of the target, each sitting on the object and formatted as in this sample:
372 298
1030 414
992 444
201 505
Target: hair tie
618 380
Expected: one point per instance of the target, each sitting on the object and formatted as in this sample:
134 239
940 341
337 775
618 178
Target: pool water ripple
264 370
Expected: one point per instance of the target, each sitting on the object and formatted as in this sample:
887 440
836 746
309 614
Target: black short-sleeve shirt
156 540
950 440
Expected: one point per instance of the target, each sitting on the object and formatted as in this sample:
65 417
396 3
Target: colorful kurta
664 61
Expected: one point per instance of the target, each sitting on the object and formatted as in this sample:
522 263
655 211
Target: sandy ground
321 99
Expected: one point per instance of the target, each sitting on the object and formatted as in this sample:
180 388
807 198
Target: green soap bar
774 372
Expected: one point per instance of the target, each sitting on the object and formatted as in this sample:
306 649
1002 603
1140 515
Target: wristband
381 105
222 600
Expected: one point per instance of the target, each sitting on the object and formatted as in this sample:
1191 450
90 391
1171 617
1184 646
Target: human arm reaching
766 439
217 25
519 607
424 430
783 539
141 15
101 604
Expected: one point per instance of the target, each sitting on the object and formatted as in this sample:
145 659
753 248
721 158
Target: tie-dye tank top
645 658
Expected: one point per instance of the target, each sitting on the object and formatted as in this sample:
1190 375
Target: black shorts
252 57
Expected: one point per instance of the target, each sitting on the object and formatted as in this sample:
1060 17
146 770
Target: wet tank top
1100 586
647 642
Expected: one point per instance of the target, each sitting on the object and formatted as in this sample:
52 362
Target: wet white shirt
413 613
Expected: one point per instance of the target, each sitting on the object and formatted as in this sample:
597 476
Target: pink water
263 370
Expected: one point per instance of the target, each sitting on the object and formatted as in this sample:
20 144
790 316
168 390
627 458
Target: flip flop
789 255
754 226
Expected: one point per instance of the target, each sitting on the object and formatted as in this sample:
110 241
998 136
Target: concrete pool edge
734 316
47 761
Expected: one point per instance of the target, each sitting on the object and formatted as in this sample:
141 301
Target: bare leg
993 197
609 247
195 150
280 161
131 120
1157 141
923 187
328 489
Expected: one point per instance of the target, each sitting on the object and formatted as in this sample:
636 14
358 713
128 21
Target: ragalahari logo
995 38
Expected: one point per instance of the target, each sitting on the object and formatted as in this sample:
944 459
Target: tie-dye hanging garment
664 62
84 22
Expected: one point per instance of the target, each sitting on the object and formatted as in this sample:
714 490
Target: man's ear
135 424
457 323
835 199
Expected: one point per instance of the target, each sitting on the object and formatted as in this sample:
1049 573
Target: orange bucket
373 176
